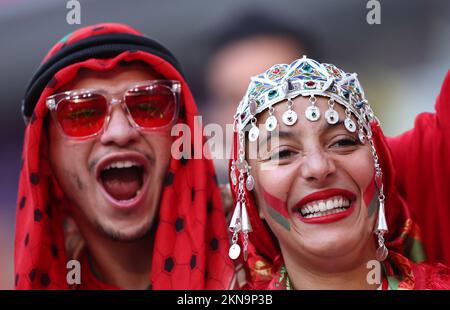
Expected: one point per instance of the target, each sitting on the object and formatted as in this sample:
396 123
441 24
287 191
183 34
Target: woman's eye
281 155
345 142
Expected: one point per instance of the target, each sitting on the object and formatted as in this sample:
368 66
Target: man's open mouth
122 179
333 205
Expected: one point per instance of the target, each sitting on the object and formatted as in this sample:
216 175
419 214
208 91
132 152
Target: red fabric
193 258
403 238
422 160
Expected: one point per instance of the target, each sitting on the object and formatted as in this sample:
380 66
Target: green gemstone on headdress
307 68
273 94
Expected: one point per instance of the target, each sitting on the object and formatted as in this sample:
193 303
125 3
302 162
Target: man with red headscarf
98 184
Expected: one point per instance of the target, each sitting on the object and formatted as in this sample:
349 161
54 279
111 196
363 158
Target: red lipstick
324 195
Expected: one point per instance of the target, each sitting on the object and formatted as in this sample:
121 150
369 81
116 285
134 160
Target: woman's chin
329 246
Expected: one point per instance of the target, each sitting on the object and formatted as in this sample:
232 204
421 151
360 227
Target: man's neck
329 275
126 265
123 264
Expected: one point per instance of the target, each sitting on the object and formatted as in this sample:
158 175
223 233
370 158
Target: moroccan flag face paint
370 197
277 209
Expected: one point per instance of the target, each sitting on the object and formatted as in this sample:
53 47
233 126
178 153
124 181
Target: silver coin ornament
271 123
312 113
253 134
234 251
289 117
331 116
381 253
350 124
362 137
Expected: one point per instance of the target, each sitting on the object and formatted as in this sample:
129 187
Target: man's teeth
325 207
123 164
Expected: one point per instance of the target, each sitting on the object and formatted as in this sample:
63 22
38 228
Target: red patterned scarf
192 255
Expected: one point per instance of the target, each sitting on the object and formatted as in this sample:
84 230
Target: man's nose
119 131
317 166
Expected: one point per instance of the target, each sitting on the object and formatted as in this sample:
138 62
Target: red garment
422 160
191 242
403 239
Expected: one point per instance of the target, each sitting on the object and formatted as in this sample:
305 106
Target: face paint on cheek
277 210
370 197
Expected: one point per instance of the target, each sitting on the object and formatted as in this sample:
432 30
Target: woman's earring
381 229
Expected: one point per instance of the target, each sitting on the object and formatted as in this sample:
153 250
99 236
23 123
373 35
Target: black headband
101 46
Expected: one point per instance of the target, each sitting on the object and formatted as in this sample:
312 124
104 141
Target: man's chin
125 235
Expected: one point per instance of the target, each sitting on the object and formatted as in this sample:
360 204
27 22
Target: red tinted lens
83 115
151 107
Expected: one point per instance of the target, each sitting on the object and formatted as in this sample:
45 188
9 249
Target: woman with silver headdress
314 186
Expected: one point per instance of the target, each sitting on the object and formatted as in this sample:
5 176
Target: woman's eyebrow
276 134
327 126
290 134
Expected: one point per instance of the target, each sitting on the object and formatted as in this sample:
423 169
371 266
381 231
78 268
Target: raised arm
422 159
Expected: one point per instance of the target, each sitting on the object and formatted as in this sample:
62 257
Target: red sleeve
422 160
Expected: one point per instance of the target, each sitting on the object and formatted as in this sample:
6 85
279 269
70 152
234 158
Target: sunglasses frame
117 98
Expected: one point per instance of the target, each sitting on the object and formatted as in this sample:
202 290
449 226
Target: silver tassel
381 223
246 225
235 224
381 229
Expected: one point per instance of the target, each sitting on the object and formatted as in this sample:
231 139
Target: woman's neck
333 274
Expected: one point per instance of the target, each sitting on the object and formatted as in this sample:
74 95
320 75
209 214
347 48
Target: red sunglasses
84 113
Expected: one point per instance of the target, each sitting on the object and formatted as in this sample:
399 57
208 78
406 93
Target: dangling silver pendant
350 125
331 116
233 177
362 137
271 123
289 117
381 253
234 251
312 113
250 183
253 134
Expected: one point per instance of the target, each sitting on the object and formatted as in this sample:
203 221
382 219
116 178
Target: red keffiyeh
191 242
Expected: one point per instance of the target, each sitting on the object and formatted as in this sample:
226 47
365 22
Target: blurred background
401 62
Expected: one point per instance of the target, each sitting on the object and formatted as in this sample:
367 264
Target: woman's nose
317 166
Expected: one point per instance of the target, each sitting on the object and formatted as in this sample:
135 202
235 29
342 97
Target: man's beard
117 235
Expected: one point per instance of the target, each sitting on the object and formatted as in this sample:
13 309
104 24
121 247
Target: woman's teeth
317 208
